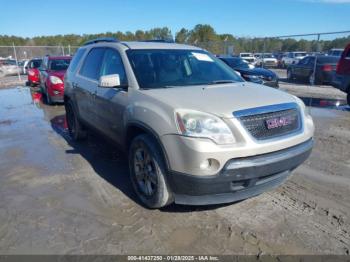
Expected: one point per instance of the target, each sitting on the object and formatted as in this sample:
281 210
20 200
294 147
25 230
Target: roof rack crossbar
102 39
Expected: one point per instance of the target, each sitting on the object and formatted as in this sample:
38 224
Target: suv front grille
272 124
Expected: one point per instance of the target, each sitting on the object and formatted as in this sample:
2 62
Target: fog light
205 164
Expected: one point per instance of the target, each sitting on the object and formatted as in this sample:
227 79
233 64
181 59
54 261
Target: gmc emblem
279 122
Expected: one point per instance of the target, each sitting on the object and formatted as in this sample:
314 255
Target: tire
75 128
148 172
348 98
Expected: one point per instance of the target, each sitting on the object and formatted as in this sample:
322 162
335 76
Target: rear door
86 84
308 68
298 69
110 102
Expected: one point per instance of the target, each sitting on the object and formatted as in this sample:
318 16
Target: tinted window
59 64
35 64
75 60
92 63
112 64
168 68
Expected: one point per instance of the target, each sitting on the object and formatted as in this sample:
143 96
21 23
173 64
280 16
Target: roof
158 45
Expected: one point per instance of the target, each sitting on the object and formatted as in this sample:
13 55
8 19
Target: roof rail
159 40
102 39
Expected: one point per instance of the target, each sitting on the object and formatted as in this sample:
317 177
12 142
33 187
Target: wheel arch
134 129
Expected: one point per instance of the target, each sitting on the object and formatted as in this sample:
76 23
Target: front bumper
240 178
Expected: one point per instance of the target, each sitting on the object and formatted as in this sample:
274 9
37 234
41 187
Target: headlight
198 124
31 73
55 80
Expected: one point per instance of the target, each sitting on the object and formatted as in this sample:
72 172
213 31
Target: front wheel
348 98
147 171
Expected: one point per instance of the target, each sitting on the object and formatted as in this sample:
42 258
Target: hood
256 71
59 74
221 100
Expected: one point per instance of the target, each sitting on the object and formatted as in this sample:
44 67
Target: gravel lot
59 197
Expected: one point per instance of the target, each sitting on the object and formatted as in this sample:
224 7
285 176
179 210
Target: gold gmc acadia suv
194 131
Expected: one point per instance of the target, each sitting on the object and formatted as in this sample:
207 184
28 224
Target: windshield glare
168 68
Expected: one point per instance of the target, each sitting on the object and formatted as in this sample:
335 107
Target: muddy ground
59 197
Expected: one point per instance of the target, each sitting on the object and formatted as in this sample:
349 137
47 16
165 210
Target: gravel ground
59 197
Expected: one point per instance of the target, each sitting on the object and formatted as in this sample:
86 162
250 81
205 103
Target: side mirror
109 81
26 67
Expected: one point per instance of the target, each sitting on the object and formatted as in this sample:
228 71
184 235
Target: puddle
337 104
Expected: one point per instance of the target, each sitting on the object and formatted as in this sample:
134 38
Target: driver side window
112 64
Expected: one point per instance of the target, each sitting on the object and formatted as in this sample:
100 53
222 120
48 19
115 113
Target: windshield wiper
221 82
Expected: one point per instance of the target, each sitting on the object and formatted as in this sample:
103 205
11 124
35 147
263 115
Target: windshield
168 68
246 55
59 64
300 54
236 63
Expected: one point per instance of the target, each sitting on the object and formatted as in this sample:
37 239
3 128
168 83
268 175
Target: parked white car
8 67
266 59
292 58
249 57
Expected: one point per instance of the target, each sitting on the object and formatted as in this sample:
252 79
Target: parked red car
341 78
33 71
52 73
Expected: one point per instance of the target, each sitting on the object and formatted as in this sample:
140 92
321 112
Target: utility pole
15 53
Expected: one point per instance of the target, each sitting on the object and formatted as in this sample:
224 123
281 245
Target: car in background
9 67
292 58
341 78
250 73
32 70
52 72
266 59
335 52
249 57
303 70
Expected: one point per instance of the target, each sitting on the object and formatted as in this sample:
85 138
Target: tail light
327 68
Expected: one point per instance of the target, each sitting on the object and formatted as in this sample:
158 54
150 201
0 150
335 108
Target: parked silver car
195 132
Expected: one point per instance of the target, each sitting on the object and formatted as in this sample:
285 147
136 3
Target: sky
238 17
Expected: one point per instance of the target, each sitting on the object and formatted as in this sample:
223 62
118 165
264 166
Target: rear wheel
348 98
147 171
75 128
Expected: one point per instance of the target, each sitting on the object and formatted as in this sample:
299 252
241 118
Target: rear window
35 63
75 60
59 64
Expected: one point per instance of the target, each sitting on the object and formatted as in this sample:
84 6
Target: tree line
202 35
